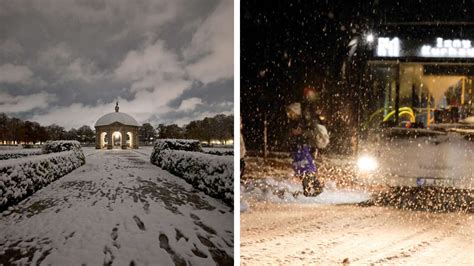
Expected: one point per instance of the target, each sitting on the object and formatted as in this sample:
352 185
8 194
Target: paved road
117 209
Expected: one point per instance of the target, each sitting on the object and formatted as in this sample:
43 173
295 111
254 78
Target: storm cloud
67 62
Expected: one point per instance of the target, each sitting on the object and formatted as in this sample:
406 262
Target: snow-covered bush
61 145
212 174
174 144
22 177
18 153
219 151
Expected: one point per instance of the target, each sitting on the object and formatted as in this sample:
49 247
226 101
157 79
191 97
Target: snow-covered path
327 234
118 208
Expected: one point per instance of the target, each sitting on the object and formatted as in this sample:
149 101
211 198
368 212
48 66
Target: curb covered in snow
213 174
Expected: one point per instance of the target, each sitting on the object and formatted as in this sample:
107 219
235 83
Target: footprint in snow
194 216
114 233
164 244
139 223
108 256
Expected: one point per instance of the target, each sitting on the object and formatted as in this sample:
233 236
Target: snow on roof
119 117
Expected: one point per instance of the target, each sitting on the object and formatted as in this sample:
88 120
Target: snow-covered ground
281 226
118 208
289 191
322 234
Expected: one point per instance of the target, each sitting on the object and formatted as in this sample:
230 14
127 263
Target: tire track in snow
289 234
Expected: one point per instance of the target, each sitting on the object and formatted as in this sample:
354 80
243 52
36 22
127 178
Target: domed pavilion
116 130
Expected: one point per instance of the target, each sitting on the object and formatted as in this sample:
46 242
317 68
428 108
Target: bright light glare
370 38
367 163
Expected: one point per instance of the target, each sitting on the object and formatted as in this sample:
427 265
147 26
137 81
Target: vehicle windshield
428 95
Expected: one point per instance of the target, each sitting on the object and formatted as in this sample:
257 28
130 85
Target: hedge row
174 144
213 174
61 145
219 151
22 177
18 153
48 147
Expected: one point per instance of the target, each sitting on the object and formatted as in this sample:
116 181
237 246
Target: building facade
116 130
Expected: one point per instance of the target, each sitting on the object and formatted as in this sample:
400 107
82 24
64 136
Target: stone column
110 139
123 140
97 138
135 138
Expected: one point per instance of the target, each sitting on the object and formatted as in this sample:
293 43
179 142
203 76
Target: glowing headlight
369 38
367 163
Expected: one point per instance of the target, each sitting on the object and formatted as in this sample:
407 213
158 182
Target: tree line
219 127
14 130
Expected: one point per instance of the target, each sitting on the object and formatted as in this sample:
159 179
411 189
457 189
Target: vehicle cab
416 105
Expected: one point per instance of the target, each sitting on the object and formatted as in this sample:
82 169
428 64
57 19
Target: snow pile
290 192
213 174
468 120
219 151
22 177
18 153
244 205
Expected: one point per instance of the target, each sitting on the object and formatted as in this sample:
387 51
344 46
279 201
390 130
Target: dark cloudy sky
165 61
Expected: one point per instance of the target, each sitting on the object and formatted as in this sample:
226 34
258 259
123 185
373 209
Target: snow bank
18 153
23 176
285 191
213 174
468 120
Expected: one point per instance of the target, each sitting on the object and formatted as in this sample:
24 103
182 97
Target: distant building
116 130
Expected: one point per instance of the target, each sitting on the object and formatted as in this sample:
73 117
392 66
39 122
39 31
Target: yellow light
367 163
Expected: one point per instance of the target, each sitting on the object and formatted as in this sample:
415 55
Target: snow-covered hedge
18 153
219 151
174 144
61 145
178 144
212 174
21 177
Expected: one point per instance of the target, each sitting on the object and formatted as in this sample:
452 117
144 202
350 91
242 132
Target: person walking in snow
315 133
303 163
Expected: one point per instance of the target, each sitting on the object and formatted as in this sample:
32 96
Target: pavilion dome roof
116 116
